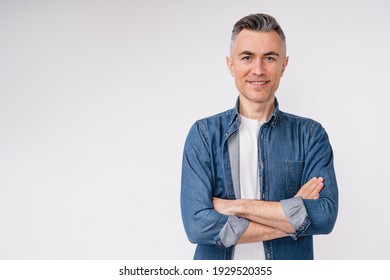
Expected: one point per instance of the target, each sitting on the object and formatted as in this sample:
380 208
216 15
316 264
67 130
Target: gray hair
257 22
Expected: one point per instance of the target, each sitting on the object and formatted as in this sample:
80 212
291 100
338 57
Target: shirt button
301 228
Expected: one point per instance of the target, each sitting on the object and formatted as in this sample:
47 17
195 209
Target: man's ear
229 64
285 63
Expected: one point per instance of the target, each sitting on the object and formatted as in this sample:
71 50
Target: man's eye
269 59
246 57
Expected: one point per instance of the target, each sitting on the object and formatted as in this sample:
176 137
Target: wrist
241 207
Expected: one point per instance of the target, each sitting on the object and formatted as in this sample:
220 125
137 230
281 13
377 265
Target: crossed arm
267 218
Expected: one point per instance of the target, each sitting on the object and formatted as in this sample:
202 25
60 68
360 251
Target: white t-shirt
248 134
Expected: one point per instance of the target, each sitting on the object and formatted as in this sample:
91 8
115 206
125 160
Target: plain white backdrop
97 97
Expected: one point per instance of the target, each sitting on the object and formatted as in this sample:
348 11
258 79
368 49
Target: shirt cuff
296 214
231 232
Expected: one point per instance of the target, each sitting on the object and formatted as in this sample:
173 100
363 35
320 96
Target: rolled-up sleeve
203 224
232 231
319 163
315 216
295 211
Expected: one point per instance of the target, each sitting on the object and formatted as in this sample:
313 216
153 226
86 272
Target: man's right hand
312 189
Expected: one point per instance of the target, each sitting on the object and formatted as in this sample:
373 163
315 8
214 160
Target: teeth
258 83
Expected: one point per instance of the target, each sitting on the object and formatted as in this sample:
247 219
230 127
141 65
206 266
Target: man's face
257 62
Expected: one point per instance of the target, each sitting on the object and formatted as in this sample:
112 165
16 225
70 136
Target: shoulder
223 116
308 126
212 126
295 118
216 121
298 120
310 129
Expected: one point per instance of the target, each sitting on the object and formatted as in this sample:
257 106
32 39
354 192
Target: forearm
267 213
286 215
257 233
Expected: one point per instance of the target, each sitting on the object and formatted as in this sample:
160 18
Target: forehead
258 42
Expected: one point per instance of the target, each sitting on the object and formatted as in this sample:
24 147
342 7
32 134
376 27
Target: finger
313 183
315 191
318 189
315 194
302 191
305 190
311 188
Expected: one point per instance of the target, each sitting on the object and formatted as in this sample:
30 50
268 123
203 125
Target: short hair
257 22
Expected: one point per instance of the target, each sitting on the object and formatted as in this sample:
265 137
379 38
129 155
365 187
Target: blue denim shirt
292 150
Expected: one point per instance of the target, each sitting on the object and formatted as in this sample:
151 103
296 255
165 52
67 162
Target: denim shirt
292 150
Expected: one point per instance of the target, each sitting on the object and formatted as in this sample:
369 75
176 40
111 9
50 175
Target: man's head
257 58
257 22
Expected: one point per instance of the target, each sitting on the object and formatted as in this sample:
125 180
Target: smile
260 83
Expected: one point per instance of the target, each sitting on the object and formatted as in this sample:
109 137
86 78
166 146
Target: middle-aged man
257 183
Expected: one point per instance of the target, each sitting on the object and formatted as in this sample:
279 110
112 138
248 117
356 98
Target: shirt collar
272 120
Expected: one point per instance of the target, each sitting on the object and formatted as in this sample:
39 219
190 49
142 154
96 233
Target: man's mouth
259 83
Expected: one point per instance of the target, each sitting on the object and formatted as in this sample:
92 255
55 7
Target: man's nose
258 67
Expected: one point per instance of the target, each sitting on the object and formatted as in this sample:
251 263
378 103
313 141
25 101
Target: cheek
241 71
279 70
276 72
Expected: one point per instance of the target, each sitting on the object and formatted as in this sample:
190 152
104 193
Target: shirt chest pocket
294 170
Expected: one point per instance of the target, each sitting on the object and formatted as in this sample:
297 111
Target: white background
97 97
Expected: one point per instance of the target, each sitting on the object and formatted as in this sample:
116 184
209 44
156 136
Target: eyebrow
271 53
252 54
246 53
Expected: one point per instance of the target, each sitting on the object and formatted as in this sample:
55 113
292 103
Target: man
257 183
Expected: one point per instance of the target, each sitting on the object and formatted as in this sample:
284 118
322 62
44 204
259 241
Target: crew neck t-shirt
248 134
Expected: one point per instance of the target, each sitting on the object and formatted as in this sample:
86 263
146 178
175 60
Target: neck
258 111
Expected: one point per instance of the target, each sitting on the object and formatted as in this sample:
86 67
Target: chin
259 97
